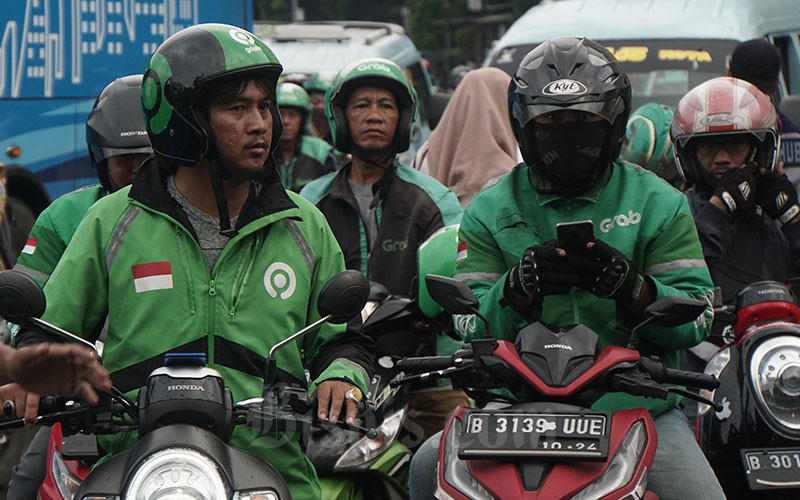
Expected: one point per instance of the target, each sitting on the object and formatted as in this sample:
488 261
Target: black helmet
115 125
179 73
570 73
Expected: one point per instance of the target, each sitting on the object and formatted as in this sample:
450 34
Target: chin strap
219 170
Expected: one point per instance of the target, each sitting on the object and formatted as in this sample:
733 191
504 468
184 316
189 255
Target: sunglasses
734 146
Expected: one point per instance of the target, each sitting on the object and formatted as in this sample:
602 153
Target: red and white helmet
723 106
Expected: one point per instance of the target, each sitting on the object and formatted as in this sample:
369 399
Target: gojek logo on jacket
279 280
621 220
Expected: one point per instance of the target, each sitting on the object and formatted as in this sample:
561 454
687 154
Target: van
305 48
666 46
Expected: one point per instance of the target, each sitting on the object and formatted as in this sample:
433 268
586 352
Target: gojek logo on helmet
620 220
377 66
279 280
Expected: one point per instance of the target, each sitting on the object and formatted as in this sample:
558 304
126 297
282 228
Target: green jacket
633 211
312 159
53 230
136 260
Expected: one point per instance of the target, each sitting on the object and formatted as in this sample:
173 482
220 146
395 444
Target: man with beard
569 103
207 252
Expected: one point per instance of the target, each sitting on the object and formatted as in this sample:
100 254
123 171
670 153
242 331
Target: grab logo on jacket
621 220
279 280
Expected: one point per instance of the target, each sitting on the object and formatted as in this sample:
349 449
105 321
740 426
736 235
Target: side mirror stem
271 366
487 333
633 341
62 333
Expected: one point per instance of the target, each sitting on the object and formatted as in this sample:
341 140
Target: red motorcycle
545 442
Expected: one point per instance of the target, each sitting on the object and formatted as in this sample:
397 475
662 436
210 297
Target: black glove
737 188
541 271
607 273
776 194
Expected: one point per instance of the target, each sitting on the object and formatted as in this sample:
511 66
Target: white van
666 46
305 48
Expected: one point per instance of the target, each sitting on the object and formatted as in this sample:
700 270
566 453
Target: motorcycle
356 467
753 441
545 442
184 415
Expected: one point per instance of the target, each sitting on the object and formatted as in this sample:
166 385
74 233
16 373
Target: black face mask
570 154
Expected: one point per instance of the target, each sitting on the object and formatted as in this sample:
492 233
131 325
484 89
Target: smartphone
574 235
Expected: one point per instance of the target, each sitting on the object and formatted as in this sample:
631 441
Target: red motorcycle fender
48 490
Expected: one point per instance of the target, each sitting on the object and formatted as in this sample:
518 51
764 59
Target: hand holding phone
573 236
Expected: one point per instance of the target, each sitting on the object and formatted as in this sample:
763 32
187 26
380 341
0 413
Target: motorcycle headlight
775 375
714 367
622 467
456 473
66 483
177 474
366 449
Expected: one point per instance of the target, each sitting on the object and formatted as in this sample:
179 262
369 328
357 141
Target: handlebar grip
425 364
691 379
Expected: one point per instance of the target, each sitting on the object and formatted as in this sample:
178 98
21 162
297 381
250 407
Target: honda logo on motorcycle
620 220
564 87
186 387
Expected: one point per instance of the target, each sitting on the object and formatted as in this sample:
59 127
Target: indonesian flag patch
152 276
462 250
30 246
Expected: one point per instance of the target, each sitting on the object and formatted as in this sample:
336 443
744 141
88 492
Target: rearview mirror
673 311
452 294
21 297
343 296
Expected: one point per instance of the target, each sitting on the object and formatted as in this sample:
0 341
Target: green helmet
436 255
373 72
647 142
182 69
319 82
291 95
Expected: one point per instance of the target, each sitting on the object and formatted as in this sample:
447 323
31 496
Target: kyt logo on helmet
564 87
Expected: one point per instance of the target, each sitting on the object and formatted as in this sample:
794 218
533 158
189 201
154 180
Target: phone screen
574 235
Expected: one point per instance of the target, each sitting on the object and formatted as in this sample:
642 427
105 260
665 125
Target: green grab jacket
136 260
633 211
313 158
53 231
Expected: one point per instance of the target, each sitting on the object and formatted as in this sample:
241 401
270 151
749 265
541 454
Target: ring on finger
354 395
9 408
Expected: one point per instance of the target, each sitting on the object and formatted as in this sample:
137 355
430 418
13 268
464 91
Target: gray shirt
205 226
363 195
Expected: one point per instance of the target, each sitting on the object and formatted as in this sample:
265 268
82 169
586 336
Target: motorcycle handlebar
425 364
665 375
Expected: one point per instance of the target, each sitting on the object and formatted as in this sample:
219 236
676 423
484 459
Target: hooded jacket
633 211
135 259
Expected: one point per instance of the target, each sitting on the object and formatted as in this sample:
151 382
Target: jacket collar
592 194
150 189
341 187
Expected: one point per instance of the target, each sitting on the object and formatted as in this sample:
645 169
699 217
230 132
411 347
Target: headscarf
473 143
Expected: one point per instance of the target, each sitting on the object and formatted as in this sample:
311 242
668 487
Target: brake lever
700 399
421 377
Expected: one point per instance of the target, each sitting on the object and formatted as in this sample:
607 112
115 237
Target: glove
777 196
541 271
737 188
608 273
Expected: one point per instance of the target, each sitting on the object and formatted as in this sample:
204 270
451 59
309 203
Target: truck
55 58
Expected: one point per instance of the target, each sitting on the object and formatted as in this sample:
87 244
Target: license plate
772 468
512 434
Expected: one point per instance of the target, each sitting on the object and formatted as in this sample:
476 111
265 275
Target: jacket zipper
242 274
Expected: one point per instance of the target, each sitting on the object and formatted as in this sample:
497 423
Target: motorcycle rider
569 104
316 86
379 209
647 142
301 157
745 208
117 142
170 262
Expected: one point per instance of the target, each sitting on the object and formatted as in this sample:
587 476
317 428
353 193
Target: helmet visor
609 110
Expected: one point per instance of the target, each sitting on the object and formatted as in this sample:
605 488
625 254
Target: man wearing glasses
726 138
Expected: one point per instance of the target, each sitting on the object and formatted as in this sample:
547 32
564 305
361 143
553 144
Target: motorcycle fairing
505 478
239 469
608 357
77 468
557 355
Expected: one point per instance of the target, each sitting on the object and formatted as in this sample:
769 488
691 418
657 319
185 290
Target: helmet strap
217 171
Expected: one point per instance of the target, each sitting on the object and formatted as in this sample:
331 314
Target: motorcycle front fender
241 470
